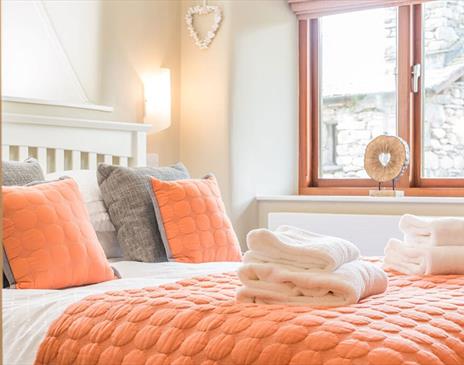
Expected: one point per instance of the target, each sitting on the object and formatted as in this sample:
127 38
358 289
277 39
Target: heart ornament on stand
203 10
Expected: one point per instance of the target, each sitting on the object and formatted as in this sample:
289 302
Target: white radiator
369 232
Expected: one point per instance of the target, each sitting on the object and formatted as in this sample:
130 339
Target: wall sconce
157 94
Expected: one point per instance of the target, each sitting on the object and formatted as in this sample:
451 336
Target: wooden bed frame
61 144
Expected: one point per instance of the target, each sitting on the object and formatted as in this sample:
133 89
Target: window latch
416 73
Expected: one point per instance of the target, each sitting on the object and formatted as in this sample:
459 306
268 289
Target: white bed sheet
27 314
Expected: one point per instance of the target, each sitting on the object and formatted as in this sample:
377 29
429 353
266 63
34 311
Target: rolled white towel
296 247
420 260
277 284
443 231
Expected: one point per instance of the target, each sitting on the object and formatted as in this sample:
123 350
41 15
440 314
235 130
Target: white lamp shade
157 90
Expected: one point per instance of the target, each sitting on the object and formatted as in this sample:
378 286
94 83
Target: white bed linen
27 314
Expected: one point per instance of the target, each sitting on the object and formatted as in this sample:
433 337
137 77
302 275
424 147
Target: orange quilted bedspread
419 320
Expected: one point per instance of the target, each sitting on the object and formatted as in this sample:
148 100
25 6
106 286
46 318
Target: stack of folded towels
431 246
294 266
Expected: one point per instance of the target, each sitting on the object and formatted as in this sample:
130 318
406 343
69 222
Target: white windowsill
360 199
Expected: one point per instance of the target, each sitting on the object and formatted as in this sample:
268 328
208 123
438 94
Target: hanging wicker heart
386 158
203 10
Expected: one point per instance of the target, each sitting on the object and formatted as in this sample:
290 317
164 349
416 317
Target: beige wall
135 37
205 103
238 105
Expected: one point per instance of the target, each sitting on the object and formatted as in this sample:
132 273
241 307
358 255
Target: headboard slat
42 157
59 160
23 153
108 159
5 153
92 161
123 161
76 160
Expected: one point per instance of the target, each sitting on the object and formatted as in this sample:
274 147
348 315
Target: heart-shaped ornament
384 158
203 10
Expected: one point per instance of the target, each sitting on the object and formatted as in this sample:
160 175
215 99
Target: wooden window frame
409 115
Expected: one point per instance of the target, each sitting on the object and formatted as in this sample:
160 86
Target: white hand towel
417 260
296 247
277 284
441 231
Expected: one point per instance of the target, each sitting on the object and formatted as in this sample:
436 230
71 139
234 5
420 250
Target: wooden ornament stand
386 192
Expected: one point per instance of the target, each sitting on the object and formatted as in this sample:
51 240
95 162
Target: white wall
133 37
38 41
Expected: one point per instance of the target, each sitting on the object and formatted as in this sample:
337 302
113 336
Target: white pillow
99 217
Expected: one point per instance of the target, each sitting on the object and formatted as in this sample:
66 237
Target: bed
27 314
173 313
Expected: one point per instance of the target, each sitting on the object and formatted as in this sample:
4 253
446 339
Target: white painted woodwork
125 141
108 159
367 231
76 160
123 161
23 153
18 99
59 160
42 157
5 153
92 161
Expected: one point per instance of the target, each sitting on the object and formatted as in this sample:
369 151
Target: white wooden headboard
64 144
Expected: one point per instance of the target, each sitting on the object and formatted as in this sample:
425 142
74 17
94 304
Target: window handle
416 73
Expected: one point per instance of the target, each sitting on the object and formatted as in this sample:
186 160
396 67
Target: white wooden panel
42 157
123 161
23 153
369 232
140 149
92 161
76 160
109 142
5 153
94 138
108 159
59 160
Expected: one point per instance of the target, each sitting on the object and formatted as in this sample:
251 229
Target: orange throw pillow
48 240
193 221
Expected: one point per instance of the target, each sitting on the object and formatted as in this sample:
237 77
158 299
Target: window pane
358 87
443 76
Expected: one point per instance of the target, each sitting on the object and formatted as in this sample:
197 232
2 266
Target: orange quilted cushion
193 222
48 238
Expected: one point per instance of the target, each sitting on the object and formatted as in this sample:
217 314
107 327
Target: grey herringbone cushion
126 193
21 172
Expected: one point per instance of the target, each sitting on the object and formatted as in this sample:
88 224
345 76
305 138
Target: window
357 82
357 85
443 90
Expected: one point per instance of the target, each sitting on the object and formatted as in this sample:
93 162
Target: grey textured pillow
21 172
126 193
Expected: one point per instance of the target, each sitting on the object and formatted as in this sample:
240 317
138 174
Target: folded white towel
275 283
421 260
296 247
441 231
